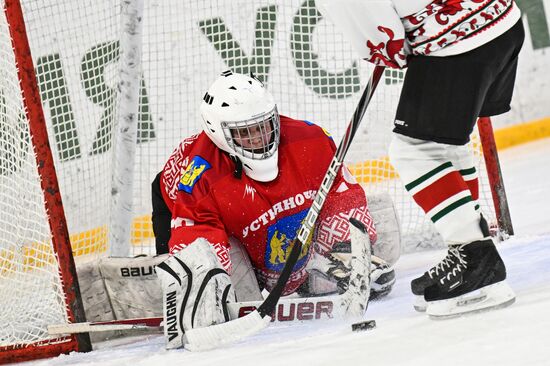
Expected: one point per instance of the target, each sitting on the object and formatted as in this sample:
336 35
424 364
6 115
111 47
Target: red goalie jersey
207 200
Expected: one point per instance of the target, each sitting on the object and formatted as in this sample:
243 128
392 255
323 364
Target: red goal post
59 257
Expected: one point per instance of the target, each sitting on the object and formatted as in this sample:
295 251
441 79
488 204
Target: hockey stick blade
288 310
214 336
138 324
356 299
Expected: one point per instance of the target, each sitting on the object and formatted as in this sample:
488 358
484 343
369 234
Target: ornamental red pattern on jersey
334 228
454 21
389 32
211 202
390 53
173 169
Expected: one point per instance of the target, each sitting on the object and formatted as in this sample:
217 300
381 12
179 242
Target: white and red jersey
207 200
386 32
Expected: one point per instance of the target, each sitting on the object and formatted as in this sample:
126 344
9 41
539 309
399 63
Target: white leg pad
196 290
120 288
133 287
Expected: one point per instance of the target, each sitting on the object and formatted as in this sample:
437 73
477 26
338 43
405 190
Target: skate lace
459 263
454 255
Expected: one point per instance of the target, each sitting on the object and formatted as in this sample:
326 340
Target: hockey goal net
80 51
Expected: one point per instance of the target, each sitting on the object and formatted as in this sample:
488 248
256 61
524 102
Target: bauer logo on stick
192 173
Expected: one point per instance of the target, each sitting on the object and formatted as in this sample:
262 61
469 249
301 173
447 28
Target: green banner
534 13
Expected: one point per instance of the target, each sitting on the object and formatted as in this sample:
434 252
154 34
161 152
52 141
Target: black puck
364 325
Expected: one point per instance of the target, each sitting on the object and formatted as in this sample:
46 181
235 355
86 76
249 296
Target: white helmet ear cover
240 117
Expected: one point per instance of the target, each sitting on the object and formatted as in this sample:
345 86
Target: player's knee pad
462 156
411 156
196 290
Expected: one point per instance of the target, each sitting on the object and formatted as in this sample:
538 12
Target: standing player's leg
440 102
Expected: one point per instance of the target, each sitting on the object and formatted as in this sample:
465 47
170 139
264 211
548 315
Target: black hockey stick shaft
269 304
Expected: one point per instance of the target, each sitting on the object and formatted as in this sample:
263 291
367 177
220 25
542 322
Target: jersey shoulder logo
327 133
192 174
309 123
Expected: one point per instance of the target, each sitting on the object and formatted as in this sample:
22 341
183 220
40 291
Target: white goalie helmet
240 117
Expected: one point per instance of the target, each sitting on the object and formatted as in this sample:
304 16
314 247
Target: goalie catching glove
330 273
195 289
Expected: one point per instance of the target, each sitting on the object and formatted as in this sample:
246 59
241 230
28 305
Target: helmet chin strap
240 167
238 172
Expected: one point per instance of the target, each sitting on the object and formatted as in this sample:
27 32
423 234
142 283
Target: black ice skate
431 277
436 273
474 282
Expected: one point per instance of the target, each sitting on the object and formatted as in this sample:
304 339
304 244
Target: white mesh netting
30 290
312 72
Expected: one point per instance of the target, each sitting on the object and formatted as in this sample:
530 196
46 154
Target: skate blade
496 296
420 304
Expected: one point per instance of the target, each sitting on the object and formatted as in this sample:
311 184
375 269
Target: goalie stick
287 310
219 334
351 303
270 302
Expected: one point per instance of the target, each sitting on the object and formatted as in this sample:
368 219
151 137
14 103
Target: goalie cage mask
240 117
